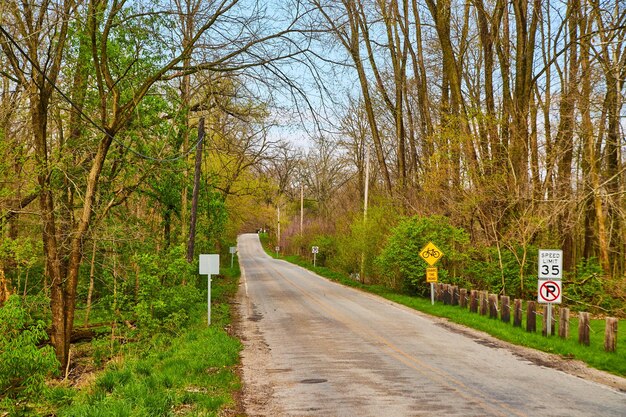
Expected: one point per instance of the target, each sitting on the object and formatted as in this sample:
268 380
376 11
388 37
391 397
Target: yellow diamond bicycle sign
431 254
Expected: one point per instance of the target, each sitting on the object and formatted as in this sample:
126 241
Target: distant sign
431 254
431 274
233 249
315 249
550 264
549 291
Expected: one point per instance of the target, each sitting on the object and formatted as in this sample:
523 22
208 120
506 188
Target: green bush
23 365
327 249
401 264
357 249
163 309
587 289
499 271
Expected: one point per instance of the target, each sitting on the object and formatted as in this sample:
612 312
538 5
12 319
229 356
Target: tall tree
128 63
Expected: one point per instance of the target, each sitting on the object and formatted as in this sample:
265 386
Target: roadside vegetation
167 362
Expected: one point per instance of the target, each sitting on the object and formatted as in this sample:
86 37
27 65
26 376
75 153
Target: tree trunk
595 207
4 288
524 50
196 191
92 270
564 144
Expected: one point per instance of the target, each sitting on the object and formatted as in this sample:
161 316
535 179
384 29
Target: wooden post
455 295
583 328
517 313
473 302
531 317
610 334
446 294
484 303
505 313
493 306
564 323
439 287
463 298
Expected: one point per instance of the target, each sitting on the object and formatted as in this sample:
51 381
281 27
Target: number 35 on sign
550 264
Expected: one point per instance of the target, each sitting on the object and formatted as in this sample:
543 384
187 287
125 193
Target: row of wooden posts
492 305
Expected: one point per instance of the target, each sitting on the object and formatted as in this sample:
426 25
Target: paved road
315 348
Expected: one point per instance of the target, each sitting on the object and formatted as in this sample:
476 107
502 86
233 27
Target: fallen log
83 333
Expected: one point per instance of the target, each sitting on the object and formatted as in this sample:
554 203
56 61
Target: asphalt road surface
316 348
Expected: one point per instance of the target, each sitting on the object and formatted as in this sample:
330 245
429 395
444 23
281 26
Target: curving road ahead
315 348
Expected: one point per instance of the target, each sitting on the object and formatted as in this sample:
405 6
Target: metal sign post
315 250
209 265
432 293
233 250
432 276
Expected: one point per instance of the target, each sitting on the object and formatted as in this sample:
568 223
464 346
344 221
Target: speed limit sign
550 264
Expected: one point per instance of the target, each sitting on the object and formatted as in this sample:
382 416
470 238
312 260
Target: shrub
163 304
587 289
23 365
327 249
165 308
400 262
499 271
357 249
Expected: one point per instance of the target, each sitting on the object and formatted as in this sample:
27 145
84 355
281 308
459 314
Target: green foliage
23 365
499 271
364 241
400 260
23 254
587 290
212 223
192 372
162 304
327 249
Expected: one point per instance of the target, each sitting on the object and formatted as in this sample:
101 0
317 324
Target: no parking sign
549 291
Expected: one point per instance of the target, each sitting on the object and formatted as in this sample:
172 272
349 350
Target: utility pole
365 202
278 228
367 184
196 191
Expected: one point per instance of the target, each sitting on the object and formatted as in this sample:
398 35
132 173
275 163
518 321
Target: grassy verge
191 373
594 355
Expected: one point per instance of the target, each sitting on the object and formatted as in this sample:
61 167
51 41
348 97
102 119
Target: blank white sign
209 264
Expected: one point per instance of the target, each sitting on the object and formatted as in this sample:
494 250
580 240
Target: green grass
191 374
594 355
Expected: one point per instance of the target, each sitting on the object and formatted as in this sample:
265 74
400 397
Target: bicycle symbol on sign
431 252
